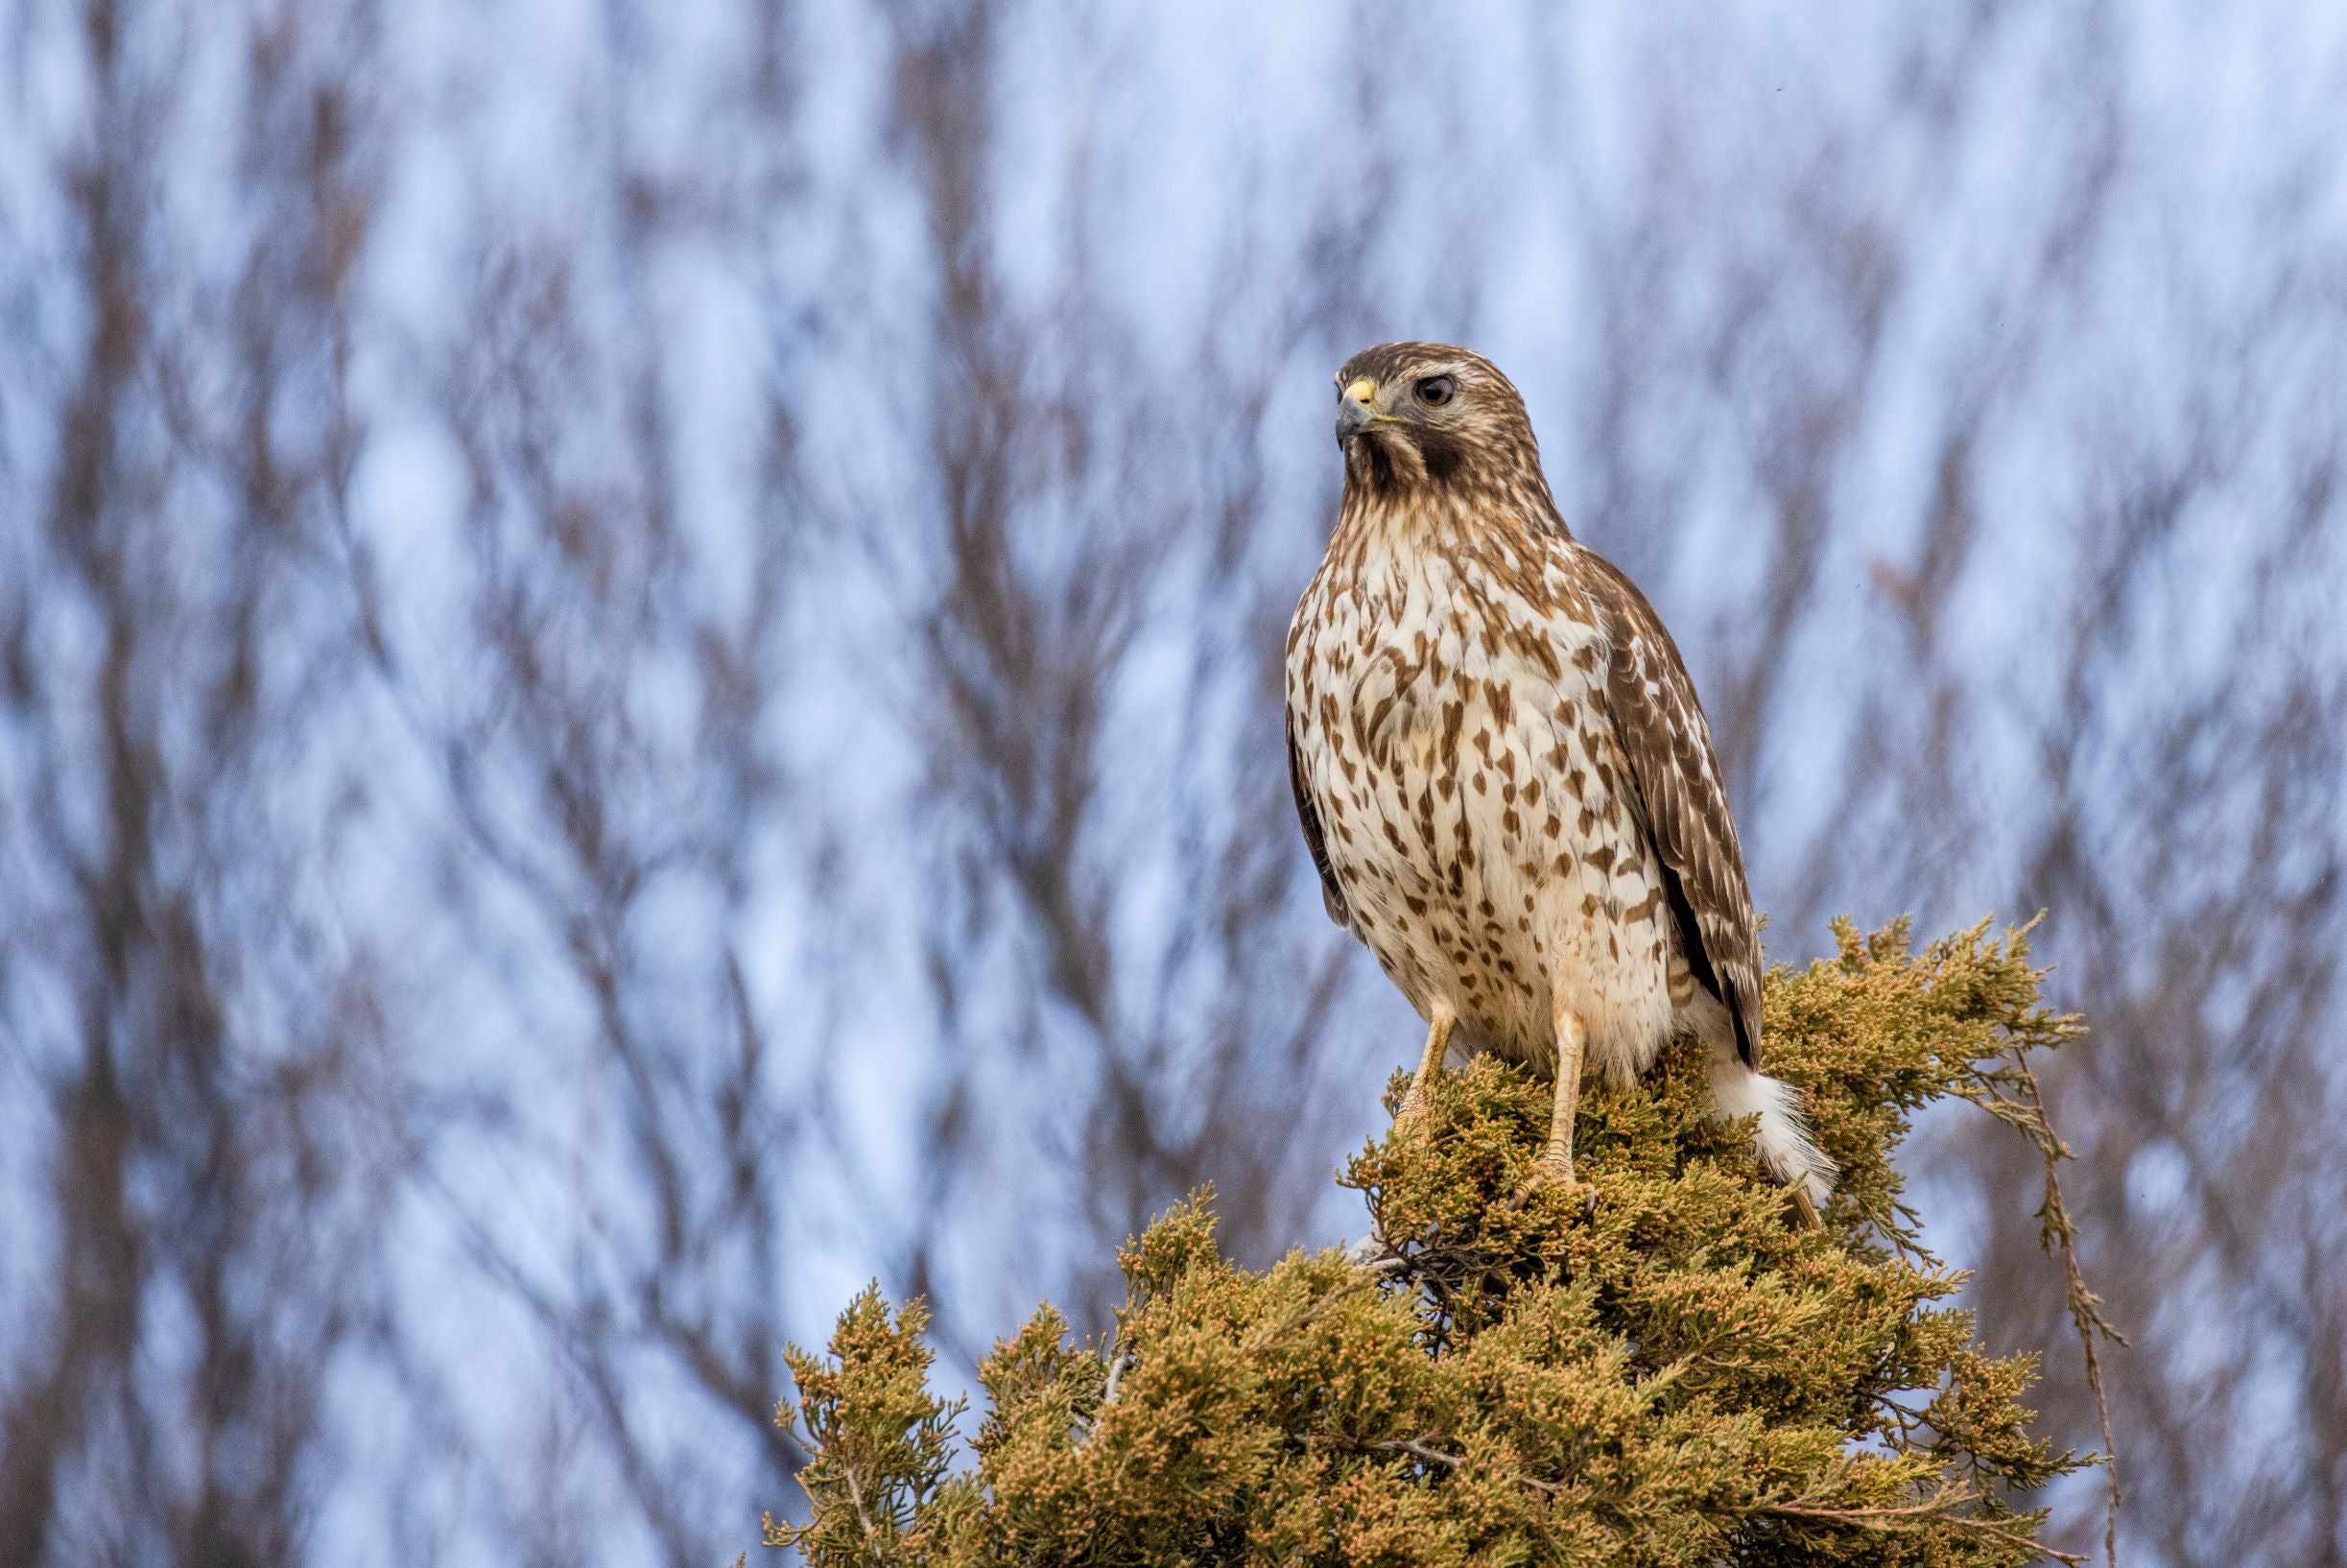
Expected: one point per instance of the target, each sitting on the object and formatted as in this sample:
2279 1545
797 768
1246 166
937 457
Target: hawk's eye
1435 390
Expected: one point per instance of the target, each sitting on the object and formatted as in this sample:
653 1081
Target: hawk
1504 777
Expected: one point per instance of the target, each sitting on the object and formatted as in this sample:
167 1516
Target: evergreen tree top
1673 1374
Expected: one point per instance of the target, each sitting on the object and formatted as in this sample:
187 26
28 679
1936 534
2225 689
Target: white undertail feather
1782 1138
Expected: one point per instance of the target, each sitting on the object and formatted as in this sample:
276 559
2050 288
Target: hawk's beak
1356 408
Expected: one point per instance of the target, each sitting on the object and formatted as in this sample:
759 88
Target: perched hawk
1503 772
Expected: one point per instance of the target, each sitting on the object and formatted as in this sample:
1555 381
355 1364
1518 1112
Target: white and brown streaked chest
1447 702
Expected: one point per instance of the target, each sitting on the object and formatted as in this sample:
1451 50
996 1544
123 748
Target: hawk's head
1417 413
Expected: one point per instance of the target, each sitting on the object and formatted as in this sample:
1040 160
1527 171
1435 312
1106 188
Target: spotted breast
1448 696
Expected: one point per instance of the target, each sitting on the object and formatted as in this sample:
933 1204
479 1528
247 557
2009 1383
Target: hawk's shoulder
1675 780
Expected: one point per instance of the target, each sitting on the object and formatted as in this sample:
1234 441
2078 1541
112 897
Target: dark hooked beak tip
1353 416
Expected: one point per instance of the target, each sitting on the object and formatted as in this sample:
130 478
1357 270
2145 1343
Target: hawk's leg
1554 1167
1430 1066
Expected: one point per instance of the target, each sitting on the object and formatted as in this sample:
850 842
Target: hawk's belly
1470 796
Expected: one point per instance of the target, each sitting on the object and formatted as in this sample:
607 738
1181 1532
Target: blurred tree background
639 662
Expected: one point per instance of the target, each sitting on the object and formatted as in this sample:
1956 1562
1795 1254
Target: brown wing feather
1331 894
1659 724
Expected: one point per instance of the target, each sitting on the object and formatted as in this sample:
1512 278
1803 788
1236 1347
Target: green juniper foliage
1671 1374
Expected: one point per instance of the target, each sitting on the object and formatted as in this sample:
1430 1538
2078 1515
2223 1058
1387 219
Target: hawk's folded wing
1330 895
1675 777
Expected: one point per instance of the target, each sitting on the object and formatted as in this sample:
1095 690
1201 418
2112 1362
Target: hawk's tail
1782 1138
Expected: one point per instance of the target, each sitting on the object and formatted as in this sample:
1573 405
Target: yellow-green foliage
1672 1375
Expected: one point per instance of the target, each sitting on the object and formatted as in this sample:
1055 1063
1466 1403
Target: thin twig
2085 1307
855 1495
1921 1515
1449 1462
2024 1111
1412 1445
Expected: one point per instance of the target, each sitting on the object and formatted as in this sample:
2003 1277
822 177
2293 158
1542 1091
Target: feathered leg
1430 1066
1554 1167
